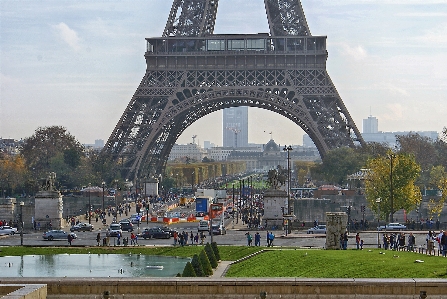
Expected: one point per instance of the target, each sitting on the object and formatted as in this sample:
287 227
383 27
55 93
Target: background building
235 122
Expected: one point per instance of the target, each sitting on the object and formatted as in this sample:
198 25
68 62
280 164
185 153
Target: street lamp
103 185
89 205
21 222
378 200
289 204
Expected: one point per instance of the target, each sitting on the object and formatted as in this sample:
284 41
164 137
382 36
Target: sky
77 63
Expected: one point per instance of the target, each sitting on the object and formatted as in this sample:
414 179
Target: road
234 236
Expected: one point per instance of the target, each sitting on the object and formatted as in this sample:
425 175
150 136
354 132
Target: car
319 229
126 225
57 235
135 218
155 233
219 229
84 227
114 229
169 230
393 226
7 230
203 226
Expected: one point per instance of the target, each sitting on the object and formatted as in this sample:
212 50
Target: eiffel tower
192 72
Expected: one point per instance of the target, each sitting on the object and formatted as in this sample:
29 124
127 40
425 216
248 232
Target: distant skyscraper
235 123
371 125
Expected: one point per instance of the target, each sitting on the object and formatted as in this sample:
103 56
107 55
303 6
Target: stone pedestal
48 209
150 187
335 226
275 201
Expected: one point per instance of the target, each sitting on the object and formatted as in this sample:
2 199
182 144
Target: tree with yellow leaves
392 179
438 179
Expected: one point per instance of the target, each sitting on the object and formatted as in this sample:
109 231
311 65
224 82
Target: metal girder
188 77
191 18
286 17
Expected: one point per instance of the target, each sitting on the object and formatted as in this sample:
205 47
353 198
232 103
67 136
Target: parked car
84 227
203 226
114 229
393 226
126 225
219 229
319 229
154 232
7 230
57 235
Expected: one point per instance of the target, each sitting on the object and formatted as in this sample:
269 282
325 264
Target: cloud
68 35
394 112
357 52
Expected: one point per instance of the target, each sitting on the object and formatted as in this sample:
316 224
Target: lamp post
89 206
233 206
103 185
289 204
192 183
391 156
378 200
21 222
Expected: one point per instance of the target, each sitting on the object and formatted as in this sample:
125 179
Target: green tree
188 271
400 170
51 143
206 266
216 251
197 266
210 253
339 163
438 180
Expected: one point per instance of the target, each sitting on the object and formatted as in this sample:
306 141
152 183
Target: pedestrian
357 240
191 236
361 244
444 244
345 241
257 239
268 239
175 238
98 238
249 238
132 239
69 238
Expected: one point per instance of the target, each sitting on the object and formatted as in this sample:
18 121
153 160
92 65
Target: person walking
98 239
357 240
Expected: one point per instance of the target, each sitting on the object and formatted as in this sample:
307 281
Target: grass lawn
286 262
340 264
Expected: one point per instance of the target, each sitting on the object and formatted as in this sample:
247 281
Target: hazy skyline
77 63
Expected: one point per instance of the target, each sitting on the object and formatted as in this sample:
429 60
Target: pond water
91 265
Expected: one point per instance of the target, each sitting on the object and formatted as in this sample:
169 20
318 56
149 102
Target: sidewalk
221 269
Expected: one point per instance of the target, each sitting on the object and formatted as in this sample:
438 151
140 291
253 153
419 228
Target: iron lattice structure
192 72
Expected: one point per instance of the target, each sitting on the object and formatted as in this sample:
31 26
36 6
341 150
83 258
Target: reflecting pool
91 265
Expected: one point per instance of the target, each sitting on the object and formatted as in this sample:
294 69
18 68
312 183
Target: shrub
216 250
203 258
210 253
197 266
188 271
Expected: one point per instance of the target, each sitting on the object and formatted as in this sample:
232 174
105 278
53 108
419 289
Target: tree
392 174
188 271
339 163
197 266
216 250
438 179
46 144
13 173
210 253
206 266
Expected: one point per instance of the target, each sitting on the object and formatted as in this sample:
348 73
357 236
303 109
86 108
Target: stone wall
238 288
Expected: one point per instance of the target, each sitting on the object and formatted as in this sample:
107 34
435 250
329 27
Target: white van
203 226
